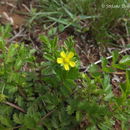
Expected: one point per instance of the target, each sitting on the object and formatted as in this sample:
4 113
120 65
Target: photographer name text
110 6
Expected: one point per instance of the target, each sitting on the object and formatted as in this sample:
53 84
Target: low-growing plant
112 14
102 19
51 93
64 13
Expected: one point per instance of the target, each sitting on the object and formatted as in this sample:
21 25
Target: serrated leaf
29 122
16 119
5 121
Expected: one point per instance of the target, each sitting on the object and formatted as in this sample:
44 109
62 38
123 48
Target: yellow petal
63 54
66 66
59 60
72 64
70 55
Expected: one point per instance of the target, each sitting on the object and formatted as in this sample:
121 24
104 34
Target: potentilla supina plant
66 60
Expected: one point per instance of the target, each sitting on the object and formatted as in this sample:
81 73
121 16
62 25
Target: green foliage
65 13
112 14
103 19
40 94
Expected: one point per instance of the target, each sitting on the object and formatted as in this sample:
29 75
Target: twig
15 128
48 114
9 4
26 8
8 18
44 117
99 61
19 34
119 73
14 106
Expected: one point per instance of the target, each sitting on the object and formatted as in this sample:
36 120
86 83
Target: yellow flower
23 75
16 45
2 97
66 60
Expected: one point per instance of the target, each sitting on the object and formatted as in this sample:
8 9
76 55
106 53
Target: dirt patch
8 13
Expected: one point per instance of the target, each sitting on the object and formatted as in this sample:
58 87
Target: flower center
66 60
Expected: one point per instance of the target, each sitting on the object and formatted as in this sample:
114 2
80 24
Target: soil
9 13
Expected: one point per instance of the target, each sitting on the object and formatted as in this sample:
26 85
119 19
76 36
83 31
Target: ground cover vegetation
44 82
99 18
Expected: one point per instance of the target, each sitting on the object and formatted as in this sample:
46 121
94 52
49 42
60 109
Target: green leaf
106 82
72 74
108 96
18 64
29 122
94 70
54 44
123 87
62 21
5 31
128 82
78 116
48 57
16 119
69 110
5 121
45 40
52 31
115 57
119 66
68 12
54 123
104 62
125 60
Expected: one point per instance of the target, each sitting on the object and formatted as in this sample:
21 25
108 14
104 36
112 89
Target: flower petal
72 64
59 60
70 55
63 54
66 66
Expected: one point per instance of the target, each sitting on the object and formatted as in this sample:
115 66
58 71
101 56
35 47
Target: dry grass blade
19 34
15 106
44 117
99 61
